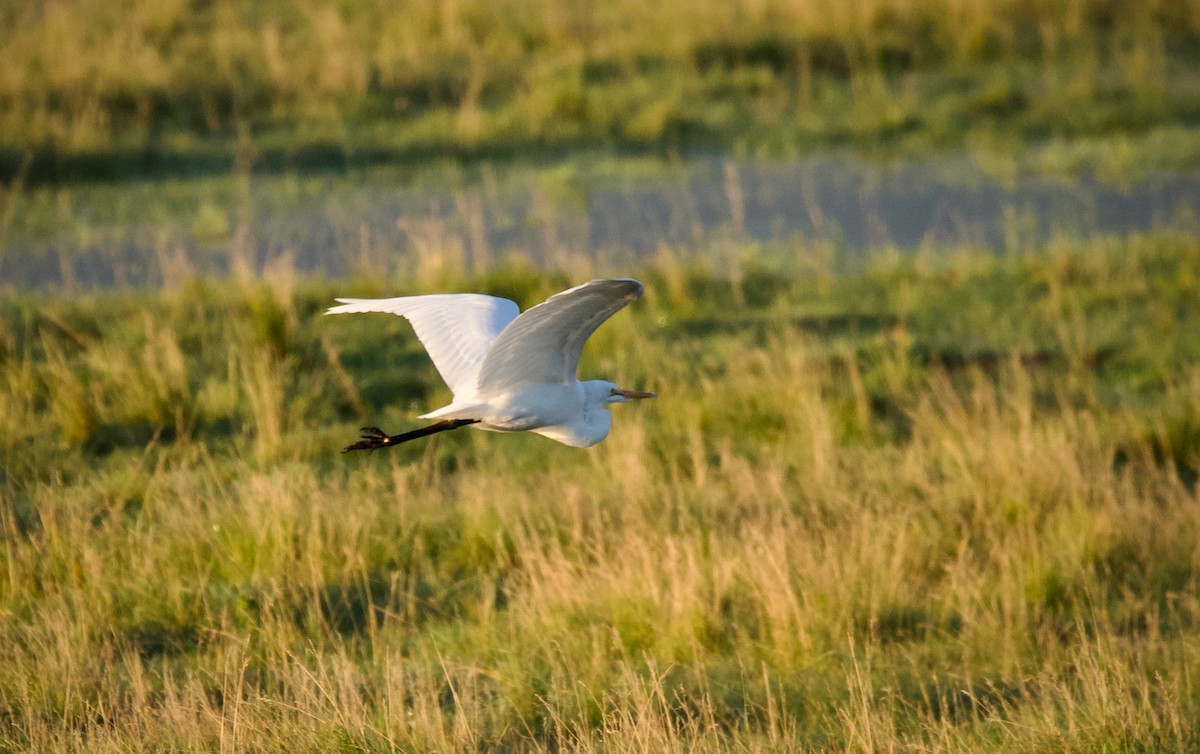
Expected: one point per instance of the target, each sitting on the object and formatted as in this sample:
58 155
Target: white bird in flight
510 371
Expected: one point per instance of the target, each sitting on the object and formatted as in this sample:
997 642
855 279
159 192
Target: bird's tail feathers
456 410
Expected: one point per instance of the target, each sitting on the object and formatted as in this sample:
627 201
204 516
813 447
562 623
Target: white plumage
511 371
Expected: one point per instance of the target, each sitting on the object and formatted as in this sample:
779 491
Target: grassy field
943 500
935 503
101 90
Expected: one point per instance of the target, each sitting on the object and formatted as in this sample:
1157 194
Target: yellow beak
637 394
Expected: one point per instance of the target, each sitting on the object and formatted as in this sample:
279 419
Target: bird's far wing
457 329
543 344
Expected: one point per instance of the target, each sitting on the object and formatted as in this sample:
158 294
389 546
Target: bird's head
607 392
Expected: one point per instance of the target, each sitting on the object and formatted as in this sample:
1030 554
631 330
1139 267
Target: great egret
508 371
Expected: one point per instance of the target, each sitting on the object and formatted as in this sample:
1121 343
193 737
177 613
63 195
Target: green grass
941 503
96 90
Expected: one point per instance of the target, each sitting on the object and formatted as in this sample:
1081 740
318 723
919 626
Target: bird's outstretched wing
544 343
457 329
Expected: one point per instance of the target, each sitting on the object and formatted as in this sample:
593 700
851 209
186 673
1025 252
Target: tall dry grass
823 534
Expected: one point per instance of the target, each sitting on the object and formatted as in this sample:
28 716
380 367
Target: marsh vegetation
936 494
94 90
943 502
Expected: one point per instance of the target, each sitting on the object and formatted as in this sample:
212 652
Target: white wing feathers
457 329
481 344
543 344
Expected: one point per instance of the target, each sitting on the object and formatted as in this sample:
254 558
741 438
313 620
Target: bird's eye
614 391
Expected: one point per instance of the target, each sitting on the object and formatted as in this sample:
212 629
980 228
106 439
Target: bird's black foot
373 437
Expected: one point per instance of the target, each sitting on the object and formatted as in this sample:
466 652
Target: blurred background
143 143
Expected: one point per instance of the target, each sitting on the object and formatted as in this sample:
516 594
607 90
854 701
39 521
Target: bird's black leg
374 437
